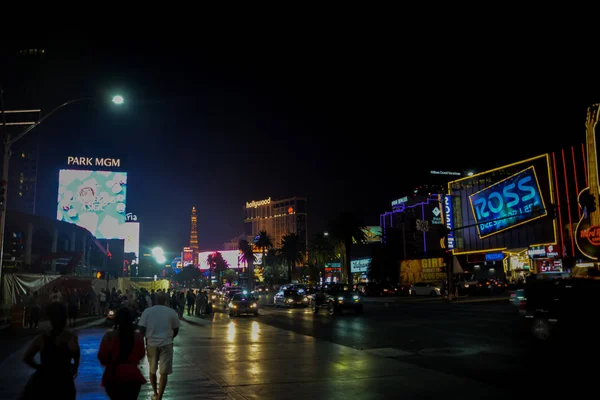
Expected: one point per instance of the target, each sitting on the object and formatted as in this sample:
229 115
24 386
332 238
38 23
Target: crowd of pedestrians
121 350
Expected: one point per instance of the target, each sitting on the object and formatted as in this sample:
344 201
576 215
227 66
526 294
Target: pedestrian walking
59 360
103 299
35 308
160 325
191 302
121 351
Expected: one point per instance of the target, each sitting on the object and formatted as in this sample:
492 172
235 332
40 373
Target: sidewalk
242 358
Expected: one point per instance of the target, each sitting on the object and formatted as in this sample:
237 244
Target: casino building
278 218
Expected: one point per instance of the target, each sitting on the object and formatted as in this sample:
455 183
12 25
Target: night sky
349 121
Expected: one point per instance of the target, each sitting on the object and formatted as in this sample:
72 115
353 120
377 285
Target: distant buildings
22 181
278 218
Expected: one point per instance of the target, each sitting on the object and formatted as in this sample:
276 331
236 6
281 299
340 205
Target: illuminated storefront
507 211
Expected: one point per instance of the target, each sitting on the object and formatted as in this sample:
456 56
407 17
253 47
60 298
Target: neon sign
255 204
94 162
449 220
511 202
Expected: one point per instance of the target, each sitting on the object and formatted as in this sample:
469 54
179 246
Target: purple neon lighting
433 197
424 234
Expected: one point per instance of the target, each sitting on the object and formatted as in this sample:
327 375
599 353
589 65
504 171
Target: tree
274 271
247 256
322 251
347 229
292 252
217 264
264 243
188 275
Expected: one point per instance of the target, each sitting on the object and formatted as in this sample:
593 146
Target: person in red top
120 353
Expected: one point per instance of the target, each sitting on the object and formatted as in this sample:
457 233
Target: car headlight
466 285
111 312
253 305
305 299
341 298
356 297
290 300
233 306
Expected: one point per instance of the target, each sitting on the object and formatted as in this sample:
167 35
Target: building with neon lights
278 218
505 221
418 219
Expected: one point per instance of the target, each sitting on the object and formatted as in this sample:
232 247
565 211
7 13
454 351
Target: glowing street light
158 252
161 259
118 100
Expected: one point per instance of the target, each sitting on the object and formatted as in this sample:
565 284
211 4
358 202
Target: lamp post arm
10 142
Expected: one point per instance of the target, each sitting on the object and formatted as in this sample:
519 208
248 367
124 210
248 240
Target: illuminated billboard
506 208
94 200
232 257
132 239
508 203
372 233
187 257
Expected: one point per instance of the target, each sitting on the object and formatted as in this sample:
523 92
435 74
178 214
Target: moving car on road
243 303
291 298
336 298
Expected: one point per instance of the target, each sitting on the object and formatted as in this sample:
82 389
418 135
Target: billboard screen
94 200
231 256
429 270
132 239
187 256
503 208
508 203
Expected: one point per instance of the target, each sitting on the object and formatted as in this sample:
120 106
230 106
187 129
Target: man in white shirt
159 324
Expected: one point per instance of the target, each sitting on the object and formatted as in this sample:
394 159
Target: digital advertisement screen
94 200
508 203
230 256
187 256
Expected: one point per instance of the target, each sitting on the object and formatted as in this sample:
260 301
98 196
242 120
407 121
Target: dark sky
351 121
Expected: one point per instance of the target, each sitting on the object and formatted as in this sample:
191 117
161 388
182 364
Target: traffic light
100 275
2 195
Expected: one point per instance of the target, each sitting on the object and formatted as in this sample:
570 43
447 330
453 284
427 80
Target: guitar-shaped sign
587 233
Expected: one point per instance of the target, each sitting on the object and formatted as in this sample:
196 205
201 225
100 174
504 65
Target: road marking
388 352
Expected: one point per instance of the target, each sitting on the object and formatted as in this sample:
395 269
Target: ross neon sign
513 201
255 204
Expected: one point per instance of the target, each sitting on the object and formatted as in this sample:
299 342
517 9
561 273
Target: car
261 290
229 293
425 289
291 298
243 303
335 299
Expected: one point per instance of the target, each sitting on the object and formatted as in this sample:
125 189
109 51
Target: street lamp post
7 145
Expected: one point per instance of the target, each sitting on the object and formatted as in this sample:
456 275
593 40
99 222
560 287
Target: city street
411 350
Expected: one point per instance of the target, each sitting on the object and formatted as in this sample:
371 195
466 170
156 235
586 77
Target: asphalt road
484 341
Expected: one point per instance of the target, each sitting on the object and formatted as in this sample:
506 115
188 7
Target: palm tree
216 263
347 229
247 256
264 243
322 250
292 252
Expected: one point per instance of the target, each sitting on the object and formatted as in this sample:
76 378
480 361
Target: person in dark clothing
191 302
73 302
59 360
35 307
